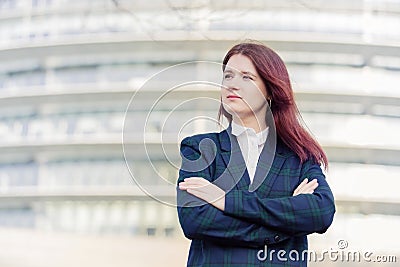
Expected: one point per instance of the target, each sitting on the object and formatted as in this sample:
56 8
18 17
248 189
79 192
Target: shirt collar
238 130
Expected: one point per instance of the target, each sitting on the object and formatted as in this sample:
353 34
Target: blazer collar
267 170
225 143
224 139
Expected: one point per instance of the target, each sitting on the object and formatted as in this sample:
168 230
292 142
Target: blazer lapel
267 173
272 155
233 159
272 159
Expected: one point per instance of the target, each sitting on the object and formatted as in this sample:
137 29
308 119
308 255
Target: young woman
259 214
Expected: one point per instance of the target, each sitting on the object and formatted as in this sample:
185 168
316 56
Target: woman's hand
204 190
306 187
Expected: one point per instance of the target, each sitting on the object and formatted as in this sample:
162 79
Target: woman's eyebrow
248 73
243 72
228 70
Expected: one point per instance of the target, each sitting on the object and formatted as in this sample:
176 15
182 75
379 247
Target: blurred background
69 68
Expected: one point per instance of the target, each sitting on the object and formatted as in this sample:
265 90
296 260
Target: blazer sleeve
296 215
200 220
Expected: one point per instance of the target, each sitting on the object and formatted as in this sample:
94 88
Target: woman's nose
231 86
234 87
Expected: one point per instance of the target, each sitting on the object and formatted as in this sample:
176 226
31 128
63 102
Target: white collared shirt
251 144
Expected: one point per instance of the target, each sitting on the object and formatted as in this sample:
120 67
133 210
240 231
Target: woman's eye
227 76
245 77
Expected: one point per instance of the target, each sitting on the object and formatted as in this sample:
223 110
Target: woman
229 224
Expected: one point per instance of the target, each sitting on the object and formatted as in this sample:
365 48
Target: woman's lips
233 96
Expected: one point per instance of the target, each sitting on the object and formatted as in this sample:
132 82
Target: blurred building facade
69 68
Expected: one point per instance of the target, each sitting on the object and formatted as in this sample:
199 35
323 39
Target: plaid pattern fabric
269 216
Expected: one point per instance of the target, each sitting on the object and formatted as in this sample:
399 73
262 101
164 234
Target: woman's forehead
240 63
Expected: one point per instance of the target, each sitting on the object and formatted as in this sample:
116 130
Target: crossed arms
243 218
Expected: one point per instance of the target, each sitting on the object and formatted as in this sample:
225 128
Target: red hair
286 115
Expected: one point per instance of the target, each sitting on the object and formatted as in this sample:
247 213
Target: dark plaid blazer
254 220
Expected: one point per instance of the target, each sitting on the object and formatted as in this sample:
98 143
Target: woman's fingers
309 186
205 190
193 182
303 183
195 179
314 185
306 187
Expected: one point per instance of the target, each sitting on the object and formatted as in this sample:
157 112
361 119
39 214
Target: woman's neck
257 124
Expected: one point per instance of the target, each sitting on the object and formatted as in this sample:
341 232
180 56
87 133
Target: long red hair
286 115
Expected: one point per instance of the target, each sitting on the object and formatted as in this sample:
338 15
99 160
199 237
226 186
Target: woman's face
243 92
